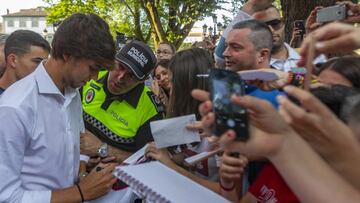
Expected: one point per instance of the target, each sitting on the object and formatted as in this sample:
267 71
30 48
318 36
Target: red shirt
270 187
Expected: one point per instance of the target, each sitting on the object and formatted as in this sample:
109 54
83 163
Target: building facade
29 19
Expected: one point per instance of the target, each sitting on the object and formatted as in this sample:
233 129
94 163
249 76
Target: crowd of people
72 111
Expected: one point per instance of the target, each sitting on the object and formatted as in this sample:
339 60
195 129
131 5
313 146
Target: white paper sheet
171 132
134 158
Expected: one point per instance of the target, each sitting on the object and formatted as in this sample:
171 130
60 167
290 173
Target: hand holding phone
299 25
223 84
331 13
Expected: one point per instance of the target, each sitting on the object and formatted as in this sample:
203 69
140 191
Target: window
22 22
10 23
34 22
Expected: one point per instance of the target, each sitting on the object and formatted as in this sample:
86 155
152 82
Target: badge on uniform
89 95
158 105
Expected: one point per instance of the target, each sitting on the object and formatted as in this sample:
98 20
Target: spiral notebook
159 184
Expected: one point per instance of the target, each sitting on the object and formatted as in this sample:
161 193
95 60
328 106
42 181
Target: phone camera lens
231 123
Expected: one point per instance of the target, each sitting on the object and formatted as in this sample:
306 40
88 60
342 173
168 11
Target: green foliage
169 20
185 46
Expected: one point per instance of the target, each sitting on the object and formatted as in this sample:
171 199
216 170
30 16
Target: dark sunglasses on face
165 52
275 24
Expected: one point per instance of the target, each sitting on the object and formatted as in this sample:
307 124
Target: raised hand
333 37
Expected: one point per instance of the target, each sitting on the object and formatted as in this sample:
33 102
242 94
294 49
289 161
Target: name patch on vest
89 95
95 86
119 118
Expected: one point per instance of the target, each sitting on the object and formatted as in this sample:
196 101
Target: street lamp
214 18
204 27
120 40
56 25
219 27
210 31
45 33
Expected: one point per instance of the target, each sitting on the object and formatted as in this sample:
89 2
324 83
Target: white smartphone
332 13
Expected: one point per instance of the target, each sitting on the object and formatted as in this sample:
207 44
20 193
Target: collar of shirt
293 55
285 65
47 86
131 97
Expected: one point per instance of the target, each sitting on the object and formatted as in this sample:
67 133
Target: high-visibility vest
120 121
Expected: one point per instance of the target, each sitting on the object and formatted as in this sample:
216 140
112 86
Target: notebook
160 184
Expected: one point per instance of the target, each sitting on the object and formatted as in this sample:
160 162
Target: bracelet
296 76
225 188
81 194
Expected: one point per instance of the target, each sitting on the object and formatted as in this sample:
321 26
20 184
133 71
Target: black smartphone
223 84
299 24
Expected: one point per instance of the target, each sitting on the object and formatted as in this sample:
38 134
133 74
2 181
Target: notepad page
170 184
173 131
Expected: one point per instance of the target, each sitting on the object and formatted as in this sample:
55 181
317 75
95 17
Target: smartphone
331 13
223 84
299 24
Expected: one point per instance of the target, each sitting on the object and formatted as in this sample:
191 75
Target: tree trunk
299 10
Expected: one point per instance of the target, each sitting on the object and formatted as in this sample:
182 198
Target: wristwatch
83 174
103 150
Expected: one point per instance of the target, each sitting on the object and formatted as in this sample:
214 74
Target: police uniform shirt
122 121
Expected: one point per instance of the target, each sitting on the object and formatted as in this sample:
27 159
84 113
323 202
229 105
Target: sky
16 5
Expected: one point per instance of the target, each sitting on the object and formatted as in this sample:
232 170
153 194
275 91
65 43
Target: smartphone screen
223 84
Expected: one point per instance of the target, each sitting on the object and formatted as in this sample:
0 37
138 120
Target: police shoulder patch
90 94
95 86
156 101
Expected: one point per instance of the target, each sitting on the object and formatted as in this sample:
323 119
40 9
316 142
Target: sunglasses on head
275 24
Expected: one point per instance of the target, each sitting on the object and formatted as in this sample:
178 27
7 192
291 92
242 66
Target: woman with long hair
184 68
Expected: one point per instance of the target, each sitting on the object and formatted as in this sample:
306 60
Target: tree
299 10
160 20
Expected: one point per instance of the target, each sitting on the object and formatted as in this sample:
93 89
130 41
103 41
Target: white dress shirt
287 64
291 61
39 138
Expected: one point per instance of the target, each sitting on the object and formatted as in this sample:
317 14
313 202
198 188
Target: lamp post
219 27
45 33
120 40
56 25
214 18
210 31
204 27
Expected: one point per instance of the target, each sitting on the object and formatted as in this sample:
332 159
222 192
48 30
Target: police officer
118 107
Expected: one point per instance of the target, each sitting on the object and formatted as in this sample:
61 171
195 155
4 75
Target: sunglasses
275 24
165 52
